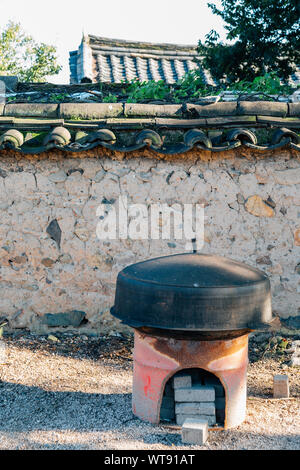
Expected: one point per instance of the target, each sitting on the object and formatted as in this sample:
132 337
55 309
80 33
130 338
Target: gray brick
180 419
204 408
182 381
196 393
194 431
281 386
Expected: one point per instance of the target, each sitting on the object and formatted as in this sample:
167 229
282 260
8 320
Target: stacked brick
192 396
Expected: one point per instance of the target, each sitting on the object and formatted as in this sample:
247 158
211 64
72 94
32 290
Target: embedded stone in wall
58 177
264 260
297 237
48 262
71 318
256 206
287 177
54 231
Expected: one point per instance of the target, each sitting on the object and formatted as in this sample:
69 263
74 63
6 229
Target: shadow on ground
77 420
93 348
29 408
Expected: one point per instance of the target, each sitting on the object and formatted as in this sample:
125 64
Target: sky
62 22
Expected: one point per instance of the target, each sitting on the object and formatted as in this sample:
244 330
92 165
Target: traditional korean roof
114 60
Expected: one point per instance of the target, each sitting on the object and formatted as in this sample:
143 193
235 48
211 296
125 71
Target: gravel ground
75 394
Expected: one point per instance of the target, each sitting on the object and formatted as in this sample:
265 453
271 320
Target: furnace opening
193 393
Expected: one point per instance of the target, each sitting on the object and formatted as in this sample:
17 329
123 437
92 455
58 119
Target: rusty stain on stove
162 361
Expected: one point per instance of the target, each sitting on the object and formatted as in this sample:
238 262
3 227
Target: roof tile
211 110
90 110
31 110
145 110
294 109
264 108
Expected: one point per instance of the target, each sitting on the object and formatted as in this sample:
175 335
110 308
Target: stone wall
252 214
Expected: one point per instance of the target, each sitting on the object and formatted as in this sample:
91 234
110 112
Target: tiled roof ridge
113 43
77 127
92 111
60 138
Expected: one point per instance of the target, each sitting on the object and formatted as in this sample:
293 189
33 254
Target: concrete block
194 408
182 381
196 393
281 386
180 418
194 431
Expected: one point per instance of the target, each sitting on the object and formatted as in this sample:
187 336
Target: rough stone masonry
51 261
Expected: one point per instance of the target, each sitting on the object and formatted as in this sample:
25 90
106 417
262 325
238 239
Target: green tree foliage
22 56
263 35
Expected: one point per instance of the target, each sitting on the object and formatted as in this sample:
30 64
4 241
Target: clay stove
192 314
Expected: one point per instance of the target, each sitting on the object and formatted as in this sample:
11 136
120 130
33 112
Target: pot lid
193 292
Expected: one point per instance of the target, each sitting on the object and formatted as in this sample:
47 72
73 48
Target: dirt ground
75 393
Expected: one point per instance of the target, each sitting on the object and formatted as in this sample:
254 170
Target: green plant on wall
110 98
142 91
191 86
269 83
60 97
